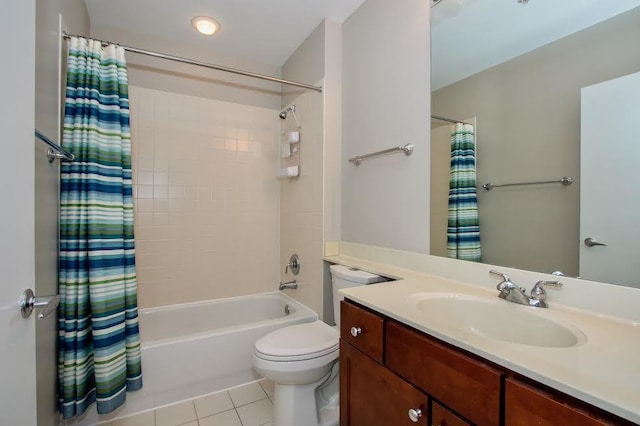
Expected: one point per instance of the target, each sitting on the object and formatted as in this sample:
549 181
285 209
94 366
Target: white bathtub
198 348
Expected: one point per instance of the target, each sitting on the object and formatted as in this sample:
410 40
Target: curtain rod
448 120
204 64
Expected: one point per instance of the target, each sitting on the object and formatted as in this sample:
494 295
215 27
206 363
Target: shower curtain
98 339
463 230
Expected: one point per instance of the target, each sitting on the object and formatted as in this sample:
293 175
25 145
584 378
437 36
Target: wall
17 336
332 130
301 198
191 80
47 119
206 197
385 201
536 227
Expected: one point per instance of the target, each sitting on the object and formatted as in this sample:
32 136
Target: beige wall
47 120
385 103
528 111
305 65
175 77
206 198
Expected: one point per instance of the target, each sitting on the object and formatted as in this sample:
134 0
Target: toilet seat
298 342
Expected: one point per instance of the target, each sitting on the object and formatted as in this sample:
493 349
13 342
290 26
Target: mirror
516 69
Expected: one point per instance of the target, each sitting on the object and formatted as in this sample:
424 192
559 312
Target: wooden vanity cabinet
388 368
528 404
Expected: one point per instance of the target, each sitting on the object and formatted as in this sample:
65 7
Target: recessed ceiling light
205 25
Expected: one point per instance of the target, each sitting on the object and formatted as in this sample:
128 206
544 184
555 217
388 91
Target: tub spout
289 284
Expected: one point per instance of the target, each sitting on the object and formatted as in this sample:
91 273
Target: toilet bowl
298 359
301 360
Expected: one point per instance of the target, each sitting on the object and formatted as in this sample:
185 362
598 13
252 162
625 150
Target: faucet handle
294 264
538 291
506 283
504 277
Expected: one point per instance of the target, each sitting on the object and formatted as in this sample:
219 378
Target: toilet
301 360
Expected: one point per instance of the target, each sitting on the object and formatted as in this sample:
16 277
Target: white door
610 181
17 335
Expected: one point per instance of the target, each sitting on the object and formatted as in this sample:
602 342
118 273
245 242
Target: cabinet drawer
526 405
469 386
367 329
440 416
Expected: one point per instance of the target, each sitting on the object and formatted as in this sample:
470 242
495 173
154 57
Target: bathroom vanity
393 374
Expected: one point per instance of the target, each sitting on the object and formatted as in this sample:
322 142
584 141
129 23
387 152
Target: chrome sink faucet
511 292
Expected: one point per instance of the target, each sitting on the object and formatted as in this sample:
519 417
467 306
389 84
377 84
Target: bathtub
197 348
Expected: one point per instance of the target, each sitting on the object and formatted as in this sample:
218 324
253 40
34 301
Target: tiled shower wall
206 198
301 205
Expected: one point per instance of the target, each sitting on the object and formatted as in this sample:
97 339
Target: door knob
28 301
590 242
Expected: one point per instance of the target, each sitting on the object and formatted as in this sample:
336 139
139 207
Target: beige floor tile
256 414
213 404
228 418
267 386
177 414
142 419
246 394
193 423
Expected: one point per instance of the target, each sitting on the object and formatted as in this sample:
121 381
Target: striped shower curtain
98 339
463 230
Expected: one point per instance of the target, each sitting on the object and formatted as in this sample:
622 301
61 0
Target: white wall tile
205 202
301 206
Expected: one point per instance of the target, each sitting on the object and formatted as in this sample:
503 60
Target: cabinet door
371 395
526 405
440 416
467 385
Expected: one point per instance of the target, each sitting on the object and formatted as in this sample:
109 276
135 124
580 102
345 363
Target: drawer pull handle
415 414
355 331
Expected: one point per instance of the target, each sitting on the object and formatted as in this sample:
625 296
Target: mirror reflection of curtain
463 227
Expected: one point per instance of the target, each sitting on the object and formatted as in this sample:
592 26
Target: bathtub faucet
289 284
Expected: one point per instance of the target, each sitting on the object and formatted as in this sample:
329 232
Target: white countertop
604 370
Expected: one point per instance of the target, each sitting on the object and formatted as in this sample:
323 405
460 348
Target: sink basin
495 319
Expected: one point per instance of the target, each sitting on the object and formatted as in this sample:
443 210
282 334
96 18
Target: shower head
283 114
292 110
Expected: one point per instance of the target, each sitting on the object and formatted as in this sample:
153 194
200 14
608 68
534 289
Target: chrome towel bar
566 181
55 152
407 149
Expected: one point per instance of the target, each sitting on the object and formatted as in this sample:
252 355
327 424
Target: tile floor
246 405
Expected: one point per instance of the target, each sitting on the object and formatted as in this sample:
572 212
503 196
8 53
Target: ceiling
266 31
469 36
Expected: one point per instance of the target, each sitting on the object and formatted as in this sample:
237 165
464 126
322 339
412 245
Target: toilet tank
345 277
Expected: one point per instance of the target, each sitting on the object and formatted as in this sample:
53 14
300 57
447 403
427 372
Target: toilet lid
297 342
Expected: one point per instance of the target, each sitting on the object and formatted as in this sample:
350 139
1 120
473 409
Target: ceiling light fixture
205 25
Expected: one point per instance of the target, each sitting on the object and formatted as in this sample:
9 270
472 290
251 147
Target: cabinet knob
355 331
415 414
